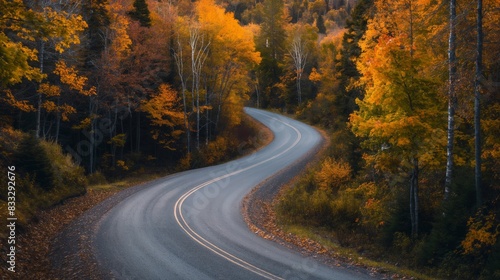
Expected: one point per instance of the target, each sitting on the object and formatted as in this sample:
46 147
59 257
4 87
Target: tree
271 44
163 110
48 27
70 80
199 53
299 55
178 50
232 56
20 25
349 54
320 24
399 116
96 14
452 98
299 51
15 54
477 102
141 13
213 54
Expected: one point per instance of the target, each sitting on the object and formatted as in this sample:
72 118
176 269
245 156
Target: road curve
189 225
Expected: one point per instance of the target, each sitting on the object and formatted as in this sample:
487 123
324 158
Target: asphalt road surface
189 225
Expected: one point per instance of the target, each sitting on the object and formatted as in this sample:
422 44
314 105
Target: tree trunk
299 90
91 163
92 108
299 56
198 56
39 105
452 99
477 102
180 70
58 127
414 203
138 131
257 92
193 42
207 124
186 120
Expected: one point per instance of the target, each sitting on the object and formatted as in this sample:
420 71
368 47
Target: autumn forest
407 92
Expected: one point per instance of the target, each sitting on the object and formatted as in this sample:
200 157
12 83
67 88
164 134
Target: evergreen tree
350 52
141 13
97 17
271 45
320 24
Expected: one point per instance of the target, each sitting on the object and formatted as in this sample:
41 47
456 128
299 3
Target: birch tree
199 53
452 97
178 50
298 51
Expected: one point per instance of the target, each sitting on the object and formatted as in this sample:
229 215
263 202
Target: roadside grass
127 182
326 239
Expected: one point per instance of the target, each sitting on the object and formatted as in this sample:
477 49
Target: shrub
333 174
44 175
33 160
68 178
96 178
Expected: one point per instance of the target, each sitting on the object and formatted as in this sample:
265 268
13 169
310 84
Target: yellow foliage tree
165 112
400 118
233 54
482 234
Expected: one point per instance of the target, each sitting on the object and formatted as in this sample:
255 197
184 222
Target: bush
333 174
68 178
97 178
44 175
450 227
31 158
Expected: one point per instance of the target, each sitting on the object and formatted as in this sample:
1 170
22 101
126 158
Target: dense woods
408 91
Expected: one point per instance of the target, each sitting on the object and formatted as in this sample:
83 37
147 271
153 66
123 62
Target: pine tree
97 17
350 52
271 45
320 24
141 13
452 98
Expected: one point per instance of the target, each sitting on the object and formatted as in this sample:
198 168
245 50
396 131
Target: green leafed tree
271 43
96 15
141 13
349 54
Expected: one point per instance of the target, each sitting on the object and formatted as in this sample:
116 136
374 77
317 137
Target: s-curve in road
189 225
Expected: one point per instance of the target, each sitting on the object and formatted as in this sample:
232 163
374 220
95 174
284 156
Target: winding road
189 225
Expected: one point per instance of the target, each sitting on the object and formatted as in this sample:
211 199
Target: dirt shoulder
34 244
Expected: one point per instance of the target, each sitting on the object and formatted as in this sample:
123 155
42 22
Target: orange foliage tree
165 113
